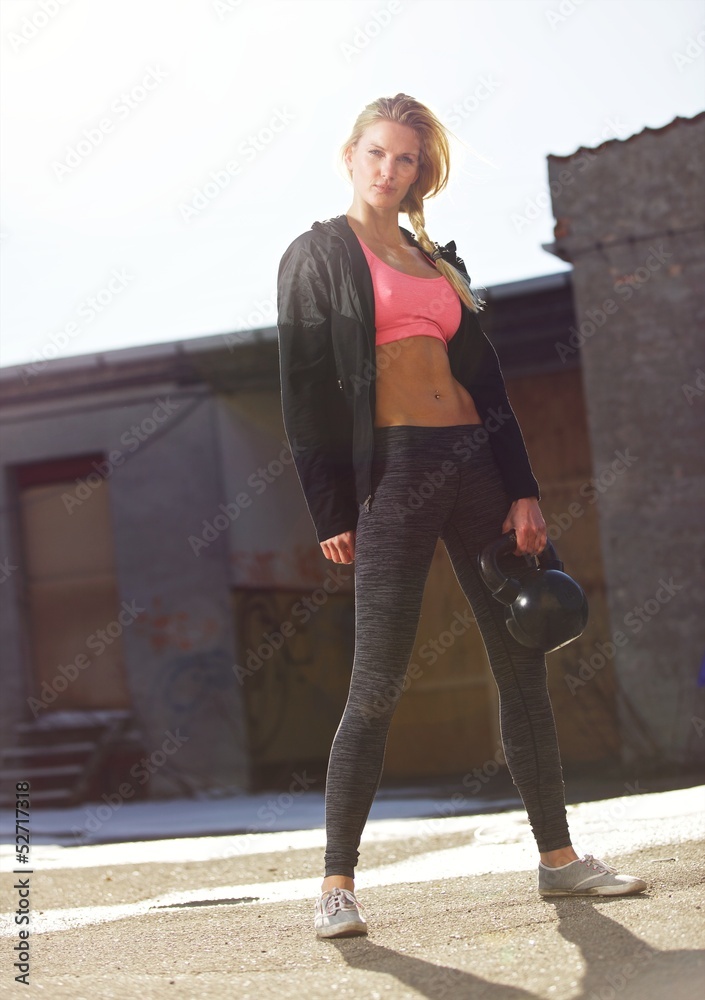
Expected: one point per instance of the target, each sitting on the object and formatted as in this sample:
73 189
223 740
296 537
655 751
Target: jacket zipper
365 506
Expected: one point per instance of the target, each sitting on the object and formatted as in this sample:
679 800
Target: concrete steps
61 755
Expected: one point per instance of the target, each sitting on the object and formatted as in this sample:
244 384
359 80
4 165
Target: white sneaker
588 876
338 914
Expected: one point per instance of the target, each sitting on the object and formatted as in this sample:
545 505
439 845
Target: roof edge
629 138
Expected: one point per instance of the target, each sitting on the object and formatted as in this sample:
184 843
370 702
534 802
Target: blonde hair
434 169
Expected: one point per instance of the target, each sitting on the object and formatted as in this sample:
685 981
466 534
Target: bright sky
121 119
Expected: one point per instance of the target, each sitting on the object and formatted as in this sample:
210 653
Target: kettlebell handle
504 588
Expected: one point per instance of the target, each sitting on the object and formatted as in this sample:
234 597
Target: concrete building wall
271 538
163 474
629 218
13 640
550 408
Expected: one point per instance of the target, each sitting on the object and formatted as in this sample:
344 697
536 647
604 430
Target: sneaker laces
597 865
338 899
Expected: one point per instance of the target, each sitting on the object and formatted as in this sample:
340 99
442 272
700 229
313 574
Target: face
384 163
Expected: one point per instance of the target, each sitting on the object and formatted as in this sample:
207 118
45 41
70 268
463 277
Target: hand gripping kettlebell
545 608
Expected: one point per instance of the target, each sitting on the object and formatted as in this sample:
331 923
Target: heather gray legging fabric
417 499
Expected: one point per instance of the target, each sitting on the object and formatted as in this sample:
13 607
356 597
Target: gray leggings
417 499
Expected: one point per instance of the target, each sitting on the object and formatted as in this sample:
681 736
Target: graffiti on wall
300 679
193 690
301 566
185 629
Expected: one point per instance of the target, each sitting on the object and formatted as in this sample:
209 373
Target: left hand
526 519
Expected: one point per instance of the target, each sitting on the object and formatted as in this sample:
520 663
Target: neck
379 225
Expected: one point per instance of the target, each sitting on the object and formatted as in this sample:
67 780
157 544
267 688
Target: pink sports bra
409 306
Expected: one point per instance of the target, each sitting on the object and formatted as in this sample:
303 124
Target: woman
397 415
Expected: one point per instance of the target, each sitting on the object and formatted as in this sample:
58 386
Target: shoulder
318 242
309 270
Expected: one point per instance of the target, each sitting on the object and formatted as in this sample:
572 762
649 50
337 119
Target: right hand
340 548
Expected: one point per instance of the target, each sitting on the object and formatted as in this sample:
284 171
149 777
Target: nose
388 168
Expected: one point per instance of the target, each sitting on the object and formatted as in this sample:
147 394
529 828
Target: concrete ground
451 902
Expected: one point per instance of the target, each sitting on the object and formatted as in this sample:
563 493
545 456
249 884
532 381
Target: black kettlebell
545 608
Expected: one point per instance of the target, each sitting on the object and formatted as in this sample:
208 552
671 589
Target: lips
384 190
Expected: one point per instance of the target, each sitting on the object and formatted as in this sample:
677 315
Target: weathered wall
271 537
640 308
551 411
164 477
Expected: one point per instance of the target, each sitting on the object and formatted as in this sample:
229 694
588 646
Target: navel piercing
438 395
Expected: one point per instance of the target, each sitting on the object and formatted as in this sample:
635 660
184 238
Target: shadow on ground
617 962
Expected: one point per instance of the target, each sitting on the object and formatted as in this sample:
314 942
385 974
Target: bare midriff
414 385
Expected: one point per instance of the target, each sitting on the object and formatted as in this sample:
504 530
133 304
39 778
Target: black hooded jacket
326 328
